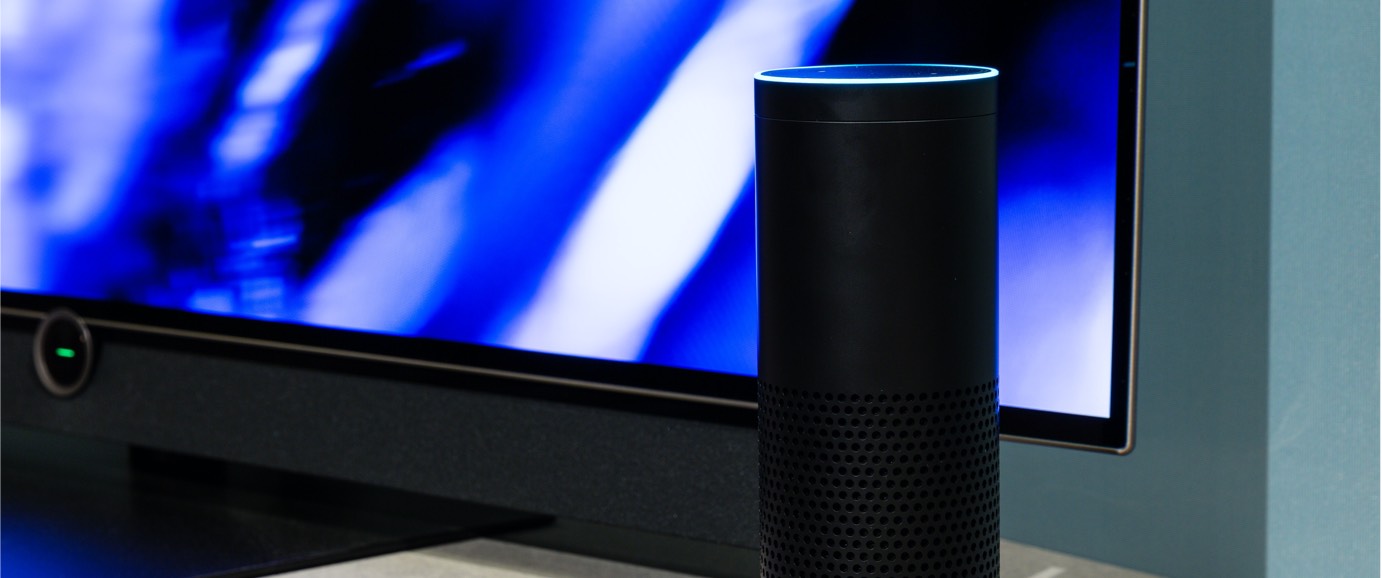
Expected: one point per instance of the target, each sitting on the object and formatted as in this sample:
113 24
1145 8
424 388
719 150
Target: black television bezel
1115 433
642 387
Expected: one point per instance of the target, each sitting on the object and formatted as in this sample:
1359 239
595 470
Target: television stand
82 507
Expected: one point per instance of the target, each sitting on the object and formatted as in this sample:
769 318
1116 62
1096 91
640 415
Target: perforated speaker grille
878 485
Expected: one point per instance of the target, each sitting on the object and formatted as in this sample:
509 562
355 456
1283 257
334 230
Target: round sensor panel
63 353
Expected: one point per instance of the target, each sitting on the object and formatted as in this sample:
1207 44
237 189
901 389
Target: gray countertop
489 558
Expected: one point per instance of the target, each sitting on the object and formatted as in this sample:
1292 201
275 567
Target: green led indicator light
65 352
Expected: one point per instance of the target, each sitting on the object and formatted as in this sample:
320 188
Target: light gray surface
484 558
1323 428
481 559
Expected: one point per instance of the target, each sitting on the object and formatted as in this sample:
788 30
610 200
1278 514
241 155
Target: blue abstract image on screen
570 177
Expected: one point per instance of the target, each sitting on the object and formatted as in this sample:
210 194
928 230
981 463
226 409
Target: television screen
559 189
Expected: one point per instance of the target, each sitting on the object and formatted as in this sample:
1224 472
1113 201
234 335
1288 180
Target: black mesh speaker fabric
878 485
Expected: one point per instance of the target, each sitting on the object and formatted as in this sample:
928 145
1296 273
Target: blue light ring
980 72
876 93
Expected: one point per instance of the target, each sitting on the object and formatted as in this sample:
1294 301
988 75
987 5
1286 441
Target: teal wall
1257 404
1190 500
1322 513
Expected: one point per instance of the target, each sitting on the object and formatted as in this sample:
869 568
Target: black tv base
79 507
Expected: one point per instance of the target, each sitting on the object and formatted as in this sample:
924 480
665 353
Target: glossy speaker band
877 246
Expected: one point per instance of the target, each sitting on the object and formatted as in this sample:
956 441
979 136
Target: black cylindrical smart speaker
877 265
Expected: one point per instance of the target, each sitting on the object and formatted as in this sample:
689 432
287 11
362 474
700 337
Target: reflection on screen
570 177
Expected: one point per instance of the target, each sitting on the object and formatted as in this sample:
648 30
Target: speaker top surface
876 92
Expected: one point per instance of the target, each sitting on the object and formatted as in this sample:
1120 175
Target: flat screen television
554 192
